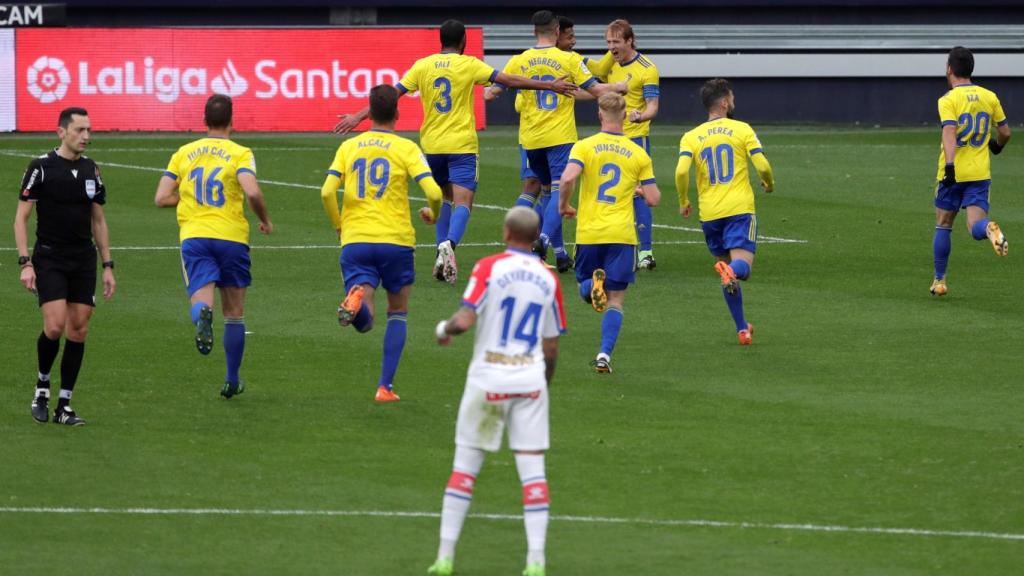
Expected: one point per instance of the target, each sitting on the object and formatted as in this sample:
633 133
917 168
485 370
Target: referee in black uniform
67 189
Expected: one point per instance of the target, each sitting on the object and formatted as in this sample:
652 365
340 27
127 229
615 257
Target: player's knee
53 331
77 333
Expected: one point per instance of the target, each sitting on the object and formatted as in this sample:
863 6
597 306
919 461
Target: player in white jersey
516 303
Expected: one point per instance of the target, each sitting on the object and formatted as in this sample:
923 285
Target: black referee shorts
65 274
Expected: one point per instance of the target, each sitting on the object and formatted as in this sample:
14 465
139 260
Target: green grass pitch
865 404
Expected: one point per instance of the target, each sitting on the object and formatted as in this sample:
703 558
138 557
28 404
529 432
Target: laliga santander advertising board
160 78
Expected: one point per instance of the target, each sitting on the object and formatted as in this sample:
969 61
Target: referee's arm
101 236
21 218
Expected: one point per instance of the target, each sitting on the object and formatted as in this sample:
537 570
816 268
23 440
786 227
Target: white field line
515 517
769 239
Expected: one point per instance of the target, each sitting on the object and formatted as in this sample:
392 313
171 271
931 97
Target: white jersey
518 302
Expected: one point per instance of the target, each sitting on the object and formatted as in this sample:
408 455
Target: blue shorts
962 195
205 260
524 165
617 260
458 169
643 142
549 163
376 264
724 234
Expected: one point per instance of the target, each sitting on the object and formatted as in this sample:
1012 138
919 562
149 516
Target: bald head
522 226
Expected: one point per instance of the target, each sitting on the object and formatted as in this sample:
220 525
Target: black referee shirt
64 191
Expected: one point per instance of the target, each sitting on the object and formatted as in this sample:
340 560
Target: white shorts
483 417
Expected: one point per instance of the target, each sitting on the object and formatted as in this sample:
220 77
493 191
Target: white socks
535 504
458 495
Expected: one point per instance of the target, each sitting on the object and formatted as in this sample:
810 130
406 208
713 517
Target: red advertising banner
160 78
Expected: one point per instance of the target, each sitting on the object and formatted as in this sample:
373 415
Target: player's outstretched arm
166 192
683 183
602 67
348 122
101 235
463 319
492 92
21 218
596 89
560 85
550 348
247 180
566 187
764 172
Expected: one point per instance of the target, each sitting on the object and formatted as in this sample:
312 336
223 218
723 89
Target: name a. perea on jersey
545 62
622 150
378 142
719 130
212 151
525 276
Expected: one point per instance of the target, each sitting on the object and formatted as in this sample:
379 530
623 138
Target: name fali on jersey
621 150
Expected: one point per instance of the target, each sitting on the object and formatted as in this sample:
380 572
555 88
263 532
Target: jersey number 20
973 129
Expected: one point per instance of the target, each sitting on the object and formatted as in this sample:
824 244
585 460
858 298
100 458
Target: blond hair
622 28
613 105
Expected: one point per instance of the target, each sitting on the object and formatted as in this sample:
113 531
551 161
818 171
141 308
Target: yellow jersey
598 68
975 112
641 77
547 118
212 203
613 166
721 148
445 82
375 167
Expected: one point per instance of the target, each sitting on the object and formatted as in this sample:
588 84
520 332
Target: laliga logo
48 79
230 82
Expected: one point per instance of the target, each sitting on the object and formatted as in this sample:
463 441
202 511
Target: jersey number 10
720 163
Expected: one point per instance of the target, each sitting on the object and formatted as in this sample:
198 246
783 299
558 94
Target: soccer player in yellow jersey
547 121
641 78
445 82
376 233
209 180
968 114
534 194
721 147
612 166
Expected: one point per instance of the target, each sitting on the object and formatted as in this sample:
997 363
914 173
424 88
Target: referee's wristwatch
24 261
109 264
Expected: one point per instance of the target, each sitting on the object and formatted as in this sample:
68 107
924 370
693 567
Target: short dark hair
564 23
65 116
544 22
961 62
452 33
383 103
218 111
714 90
